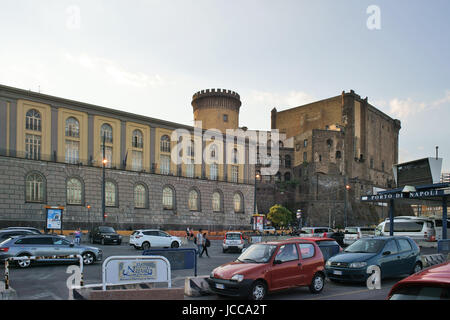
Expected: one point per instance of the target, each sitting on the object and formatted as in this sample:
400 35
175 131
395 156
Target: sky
150 57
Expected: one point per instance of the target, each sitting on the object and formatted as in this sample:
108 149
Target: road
48 282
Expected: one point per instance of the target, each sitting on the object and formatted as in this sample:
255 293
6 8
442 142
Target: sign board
119 270
179 258
409 195
418 172
54 218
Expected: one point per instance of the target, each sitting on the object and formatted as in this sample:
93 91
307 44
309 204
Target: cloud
290 99
117 72
404 108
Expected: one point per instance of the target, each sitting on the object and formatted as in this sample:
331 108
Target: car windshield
422 293
259 253
233 236
366 246
106 229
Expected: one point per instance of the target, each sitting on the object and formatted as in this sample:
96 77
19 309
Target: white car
148 238
233 241
352 234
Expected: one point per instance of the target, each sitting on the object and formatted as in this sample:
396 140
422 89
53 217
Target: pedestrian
188 233
199 242
78 236
206 243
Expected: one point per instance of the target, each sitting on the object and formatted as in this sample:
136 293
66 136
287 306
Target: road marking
340 294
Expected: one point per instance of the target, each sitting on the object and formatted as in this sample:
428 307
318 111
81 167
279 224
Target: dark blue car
394 256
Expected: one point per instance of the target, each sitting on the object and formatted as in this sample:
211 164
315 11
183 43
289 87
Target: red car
429 284
270 266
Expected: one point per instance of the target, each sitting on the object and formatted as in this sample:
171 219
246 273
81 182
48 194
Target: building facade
52 152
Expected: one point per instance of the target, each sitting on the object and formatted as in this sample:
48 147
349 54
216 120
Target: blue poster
54 217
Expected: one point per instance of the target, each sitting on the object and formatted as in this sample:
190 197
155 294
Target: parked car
270 266
145 239
394 256
233 241
328 246
430 284
9 233
105 235
46 246
417 229
35 230
269 230
351 234
317 231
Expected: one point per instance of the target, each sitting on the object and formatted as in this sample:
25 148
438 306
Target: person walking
188 233
78 236
206 243
199 242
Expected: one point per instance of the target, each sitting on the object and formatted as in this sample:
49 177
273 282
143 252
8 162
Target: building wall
15 210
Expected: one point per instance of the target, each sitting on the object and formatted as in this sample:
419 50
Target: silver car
46 246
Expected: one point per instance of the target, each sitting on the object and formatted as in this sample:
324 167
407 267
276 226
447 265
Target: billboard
418 172
54 218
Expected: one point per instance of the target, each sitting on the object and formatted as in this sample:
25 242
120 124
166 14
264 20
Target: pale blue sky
150 57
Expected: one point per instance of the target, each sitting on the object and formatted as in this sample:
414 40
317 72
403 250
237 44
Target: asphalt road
48 282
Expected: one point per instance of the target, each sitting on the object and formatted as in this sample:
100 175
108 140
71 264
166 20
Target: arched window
235 156
217 201
74 191
214 171
35 187
168 197
237 200
287 176
193 200
72 141
137 139
165 143
287 161
107 132
329 143
33 120
140 196
72 127
110 194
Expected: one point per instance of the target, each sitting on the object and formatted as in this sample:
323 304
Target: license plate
220 286
337 272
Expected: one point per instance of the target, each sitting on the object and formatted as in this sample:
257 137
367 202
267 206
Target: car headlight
358 264
237 277
212 274
328 263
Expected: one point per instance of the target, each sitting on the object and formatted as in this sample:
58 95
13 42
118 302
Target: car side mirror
277 262
386 253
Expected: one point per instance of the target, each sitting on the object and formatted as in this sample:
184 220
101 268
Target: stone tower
217 108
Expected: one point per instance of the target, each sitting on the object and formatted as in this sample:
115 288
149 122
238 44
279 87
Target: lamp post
257 176
347 187
104 161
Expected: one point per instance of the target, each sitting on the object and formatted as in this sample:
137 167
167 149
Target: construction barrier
196 286
433 259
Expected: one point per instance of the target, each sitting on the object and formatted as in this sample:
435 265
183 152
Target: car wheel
317 283
146 245
24 263
88 258
174 244
258 290
417 267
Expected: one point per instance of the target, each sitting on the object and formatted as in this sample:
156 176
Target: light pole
347 187
104 161
257 176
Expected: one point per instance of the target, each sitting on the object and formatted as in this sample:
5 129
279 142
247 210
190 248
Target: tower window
225 118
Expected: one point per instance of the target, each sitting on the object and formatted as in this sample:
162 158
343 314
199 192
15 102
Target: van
438 227
417 229
351 234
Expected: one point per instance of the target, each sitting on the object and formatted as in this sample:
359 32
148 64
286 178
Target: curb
196 286
433 259
7 294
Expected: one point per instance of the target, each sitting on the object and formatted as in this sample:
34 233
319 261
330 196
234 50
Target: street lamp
104 162
257 177
347 188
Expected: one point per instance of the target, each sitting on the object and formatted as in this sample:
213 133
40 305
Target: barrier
432 259
196 287
179 258
80 258
135 269
444 246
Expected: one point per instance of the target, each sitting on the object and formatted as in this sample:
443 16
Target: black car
104 235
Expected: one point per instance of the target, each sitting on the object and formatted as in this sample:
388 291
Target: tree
280 216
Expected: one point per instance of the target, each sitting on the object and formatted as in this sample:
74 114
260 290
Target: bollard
6 274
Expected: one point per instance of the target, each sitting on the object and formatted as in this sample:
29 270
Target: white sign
135 269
